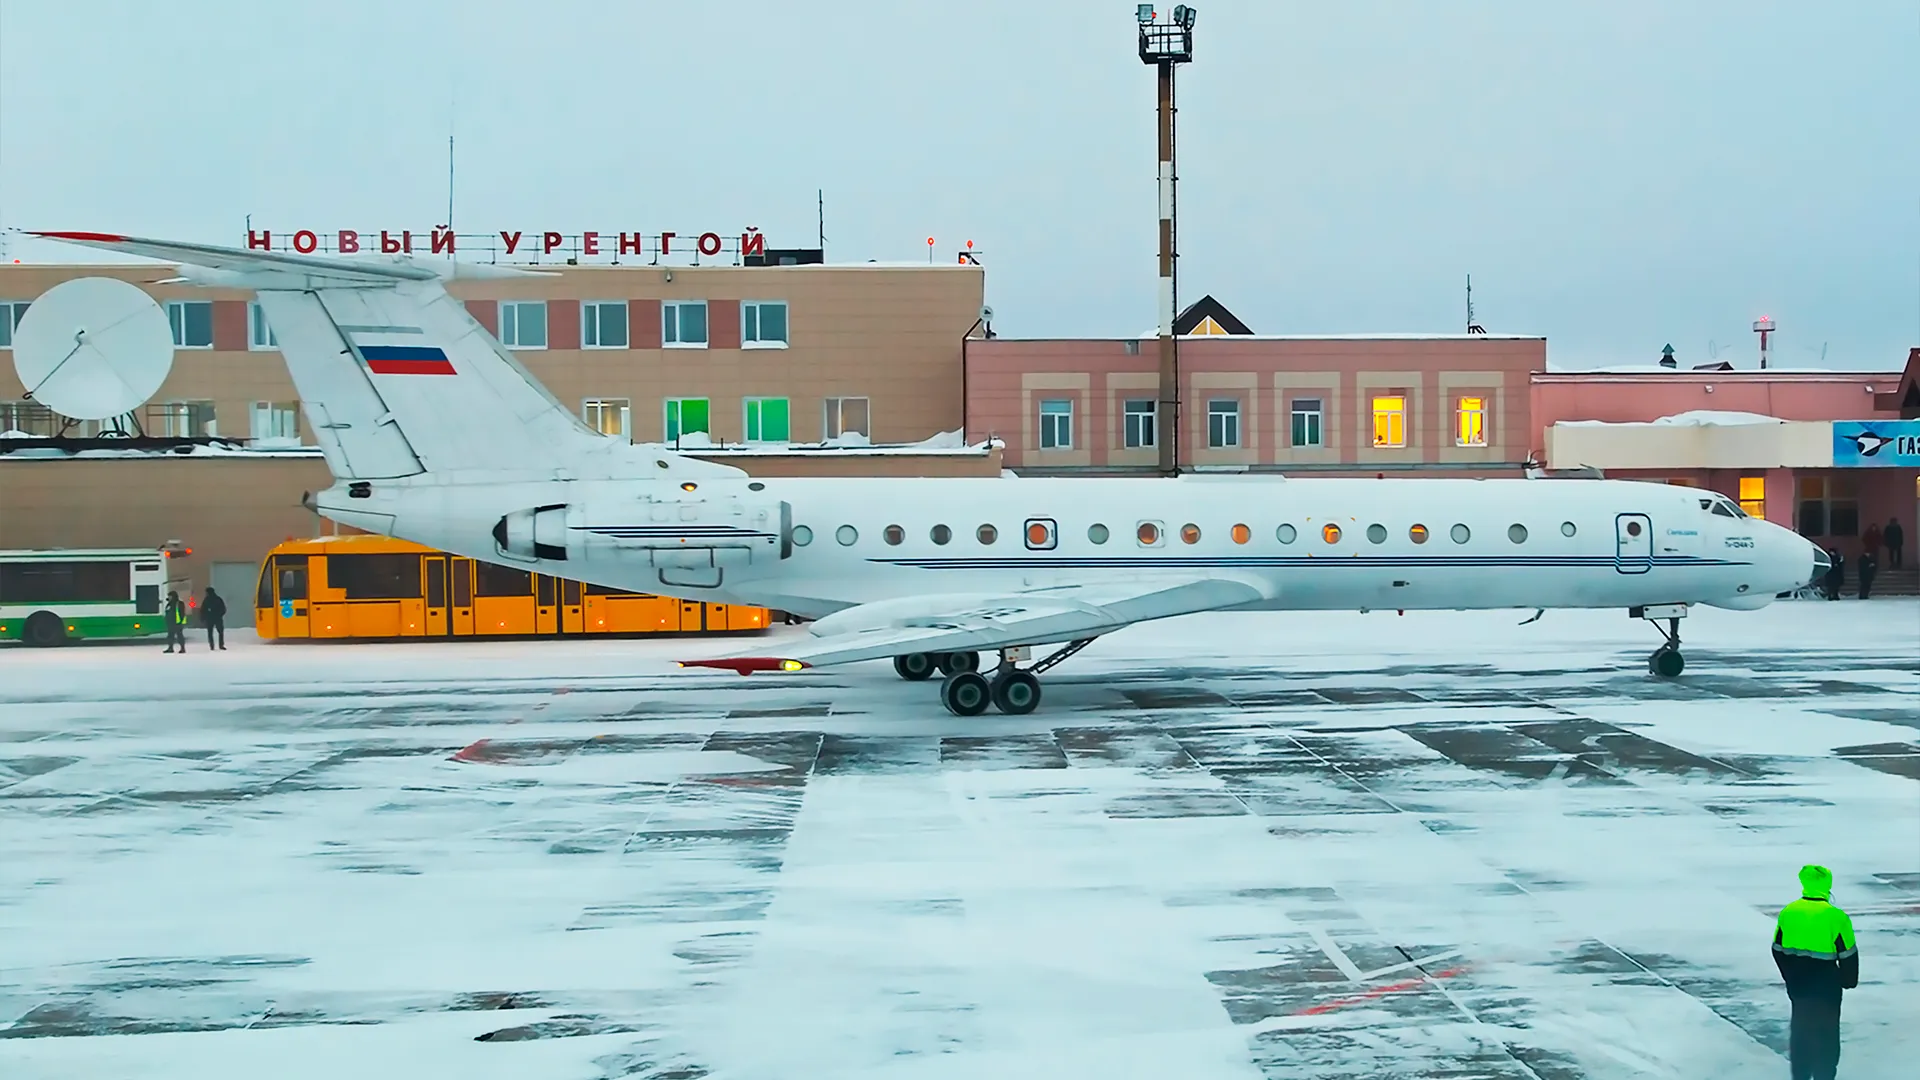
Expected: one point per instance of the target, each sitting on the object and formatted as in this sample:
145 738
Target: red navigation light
929 241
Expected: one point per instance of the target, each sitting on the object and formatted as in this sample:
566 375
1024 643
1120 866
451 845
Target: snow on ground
1252 845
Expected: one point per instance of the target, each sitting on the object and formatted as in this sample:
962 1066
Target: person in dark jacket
213 615
1895 538
1814 948
175 617
1836 574
1870 540
1869 566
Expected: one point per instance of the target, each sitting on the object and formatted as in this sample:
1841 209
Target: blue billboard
1884 444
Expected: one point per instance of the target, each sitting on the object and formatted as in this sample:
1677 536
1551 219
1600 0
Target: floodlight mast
1164 45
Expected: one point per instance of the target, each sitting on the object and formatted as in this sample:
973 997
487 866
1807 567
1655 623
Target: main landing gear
1666 661
966 692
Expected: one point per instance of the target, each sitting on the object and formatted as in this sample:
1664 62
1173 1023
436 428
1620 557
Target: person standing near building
213 615
1836 573
1870 541
1896 539
1869 566
176 618
1814 949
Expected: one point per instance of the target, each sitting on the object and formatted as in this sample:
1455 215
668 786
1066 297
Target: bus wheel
44 629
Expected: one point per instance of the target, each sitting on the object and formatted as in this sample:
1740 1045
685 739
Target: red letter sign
305 242
709 243
629 243
664 237
443 240
262 239
752 242
349 242
512 240
388 245
549 241
590 243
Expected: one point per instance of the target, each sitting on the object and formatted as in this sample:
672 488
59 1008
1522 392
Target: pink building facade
1360 405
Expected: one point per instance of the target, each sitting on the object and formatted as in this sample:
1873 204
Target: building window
1390 422
766 419
278 421
183 419
686 416
1140 417
603 324
259 334
192 322
1056 424
845 416
1471 426
1829 506
523 324
1307 422
10 312
609 416
763 324
683 325
1223 423
1753 496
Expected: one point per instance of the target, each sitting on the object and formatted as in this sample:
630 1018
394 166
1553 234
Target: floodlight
1144 13
1180 15
1188 20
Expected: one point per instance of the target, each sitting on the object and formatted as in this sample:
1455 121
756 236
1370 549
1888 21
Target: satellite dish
93 348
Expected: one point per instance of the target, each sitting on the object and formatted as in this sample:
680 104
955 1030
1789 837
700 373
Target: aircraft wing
972 622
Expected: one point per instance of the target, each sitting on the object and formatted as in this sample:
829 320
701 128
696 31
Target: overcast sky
1615 174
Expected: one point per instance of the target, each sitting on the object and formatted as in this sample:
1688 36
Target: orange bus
366 587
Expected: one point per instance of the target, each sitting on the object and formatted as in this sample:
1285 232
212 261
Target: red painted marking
411 367
106 236
1377 992
745 665
474 751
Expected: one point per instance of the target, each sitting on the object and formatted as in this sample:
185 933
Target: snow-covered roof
1359 336
1691 418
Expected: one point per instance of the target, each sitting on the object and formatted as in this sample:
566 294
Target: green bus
50 597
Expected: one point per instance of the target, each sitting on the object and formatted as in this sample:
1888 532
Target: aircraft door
437 623
1633 543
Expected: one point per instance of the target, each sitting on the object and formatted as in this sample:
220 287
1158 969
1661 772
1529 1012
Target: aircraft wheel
913 667
1016 692
965 693
43 629
954 663
1667 663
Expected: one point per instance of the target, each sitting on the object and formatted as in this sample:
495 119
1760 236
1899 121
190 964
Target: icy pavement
1339 846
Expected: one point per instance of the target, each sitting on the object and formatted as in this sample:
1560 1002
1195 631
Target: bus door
461 612
693 615
546 615
438 621
290 595
573 619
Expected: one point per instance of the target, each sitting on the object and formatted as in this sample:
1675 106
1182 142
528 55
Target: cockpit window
1725 508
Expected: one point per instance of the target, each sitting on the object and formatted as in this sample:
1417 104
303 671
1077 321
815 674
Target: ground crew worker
1868 569
176 620
213 615
1896 539
1814 948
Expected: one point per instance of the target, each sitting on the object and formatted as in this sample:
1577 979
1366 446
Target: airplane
435 433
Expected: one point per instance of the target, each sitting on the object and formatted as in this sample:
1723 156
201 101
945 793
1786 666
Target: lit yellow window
1330 533
1242 534
1472 427
1389 421
1753 495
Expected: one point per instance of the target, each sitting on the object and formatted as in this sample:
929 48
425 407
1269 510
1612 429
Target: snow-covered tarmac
1329 846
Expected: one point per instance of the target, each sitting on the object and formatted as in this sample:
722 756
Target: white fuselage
836 543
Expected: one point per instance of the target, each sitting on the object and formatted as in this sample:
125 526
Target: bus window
436 583
292 572
544 583
376 577
70 582
263 592
569 592
462 570
492 579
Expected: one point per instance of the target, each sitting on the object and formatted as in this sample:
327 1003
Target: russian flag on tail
406 360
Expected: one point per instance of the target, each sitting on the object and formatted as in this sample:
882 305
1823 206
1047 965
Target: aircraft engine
682 533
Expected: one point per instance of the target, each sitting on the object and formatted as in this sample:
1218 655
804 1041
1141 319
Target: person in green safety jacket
1814 949
176 620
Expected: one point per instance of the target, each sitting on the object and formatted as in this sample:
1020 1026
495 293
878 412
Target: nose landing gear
1666 661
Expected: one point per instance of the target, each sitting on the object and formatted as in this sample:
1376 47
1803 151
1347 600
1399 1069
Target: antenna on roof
1472 327
820 195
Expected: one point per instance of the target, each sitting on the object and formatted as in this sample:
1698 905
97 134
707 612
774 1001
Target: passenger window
1189 533
846 534
1097 533
1418 534
802 536
1042 534
1517 533
894 535
986 534
940 534
1377 534
1461 534
1148 534
1567 529
1330 533
1242 534
1286 534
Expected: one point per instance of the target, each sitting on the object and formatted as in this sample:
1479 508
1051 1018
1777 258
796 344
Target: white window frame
590 406
256 322
1150 421
1318 416
666 426
746 427
1061 419
1230 423
11 311
179 327
670 324
509 313
754 342
177 414
1460 414
833 416
593 321
274 409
